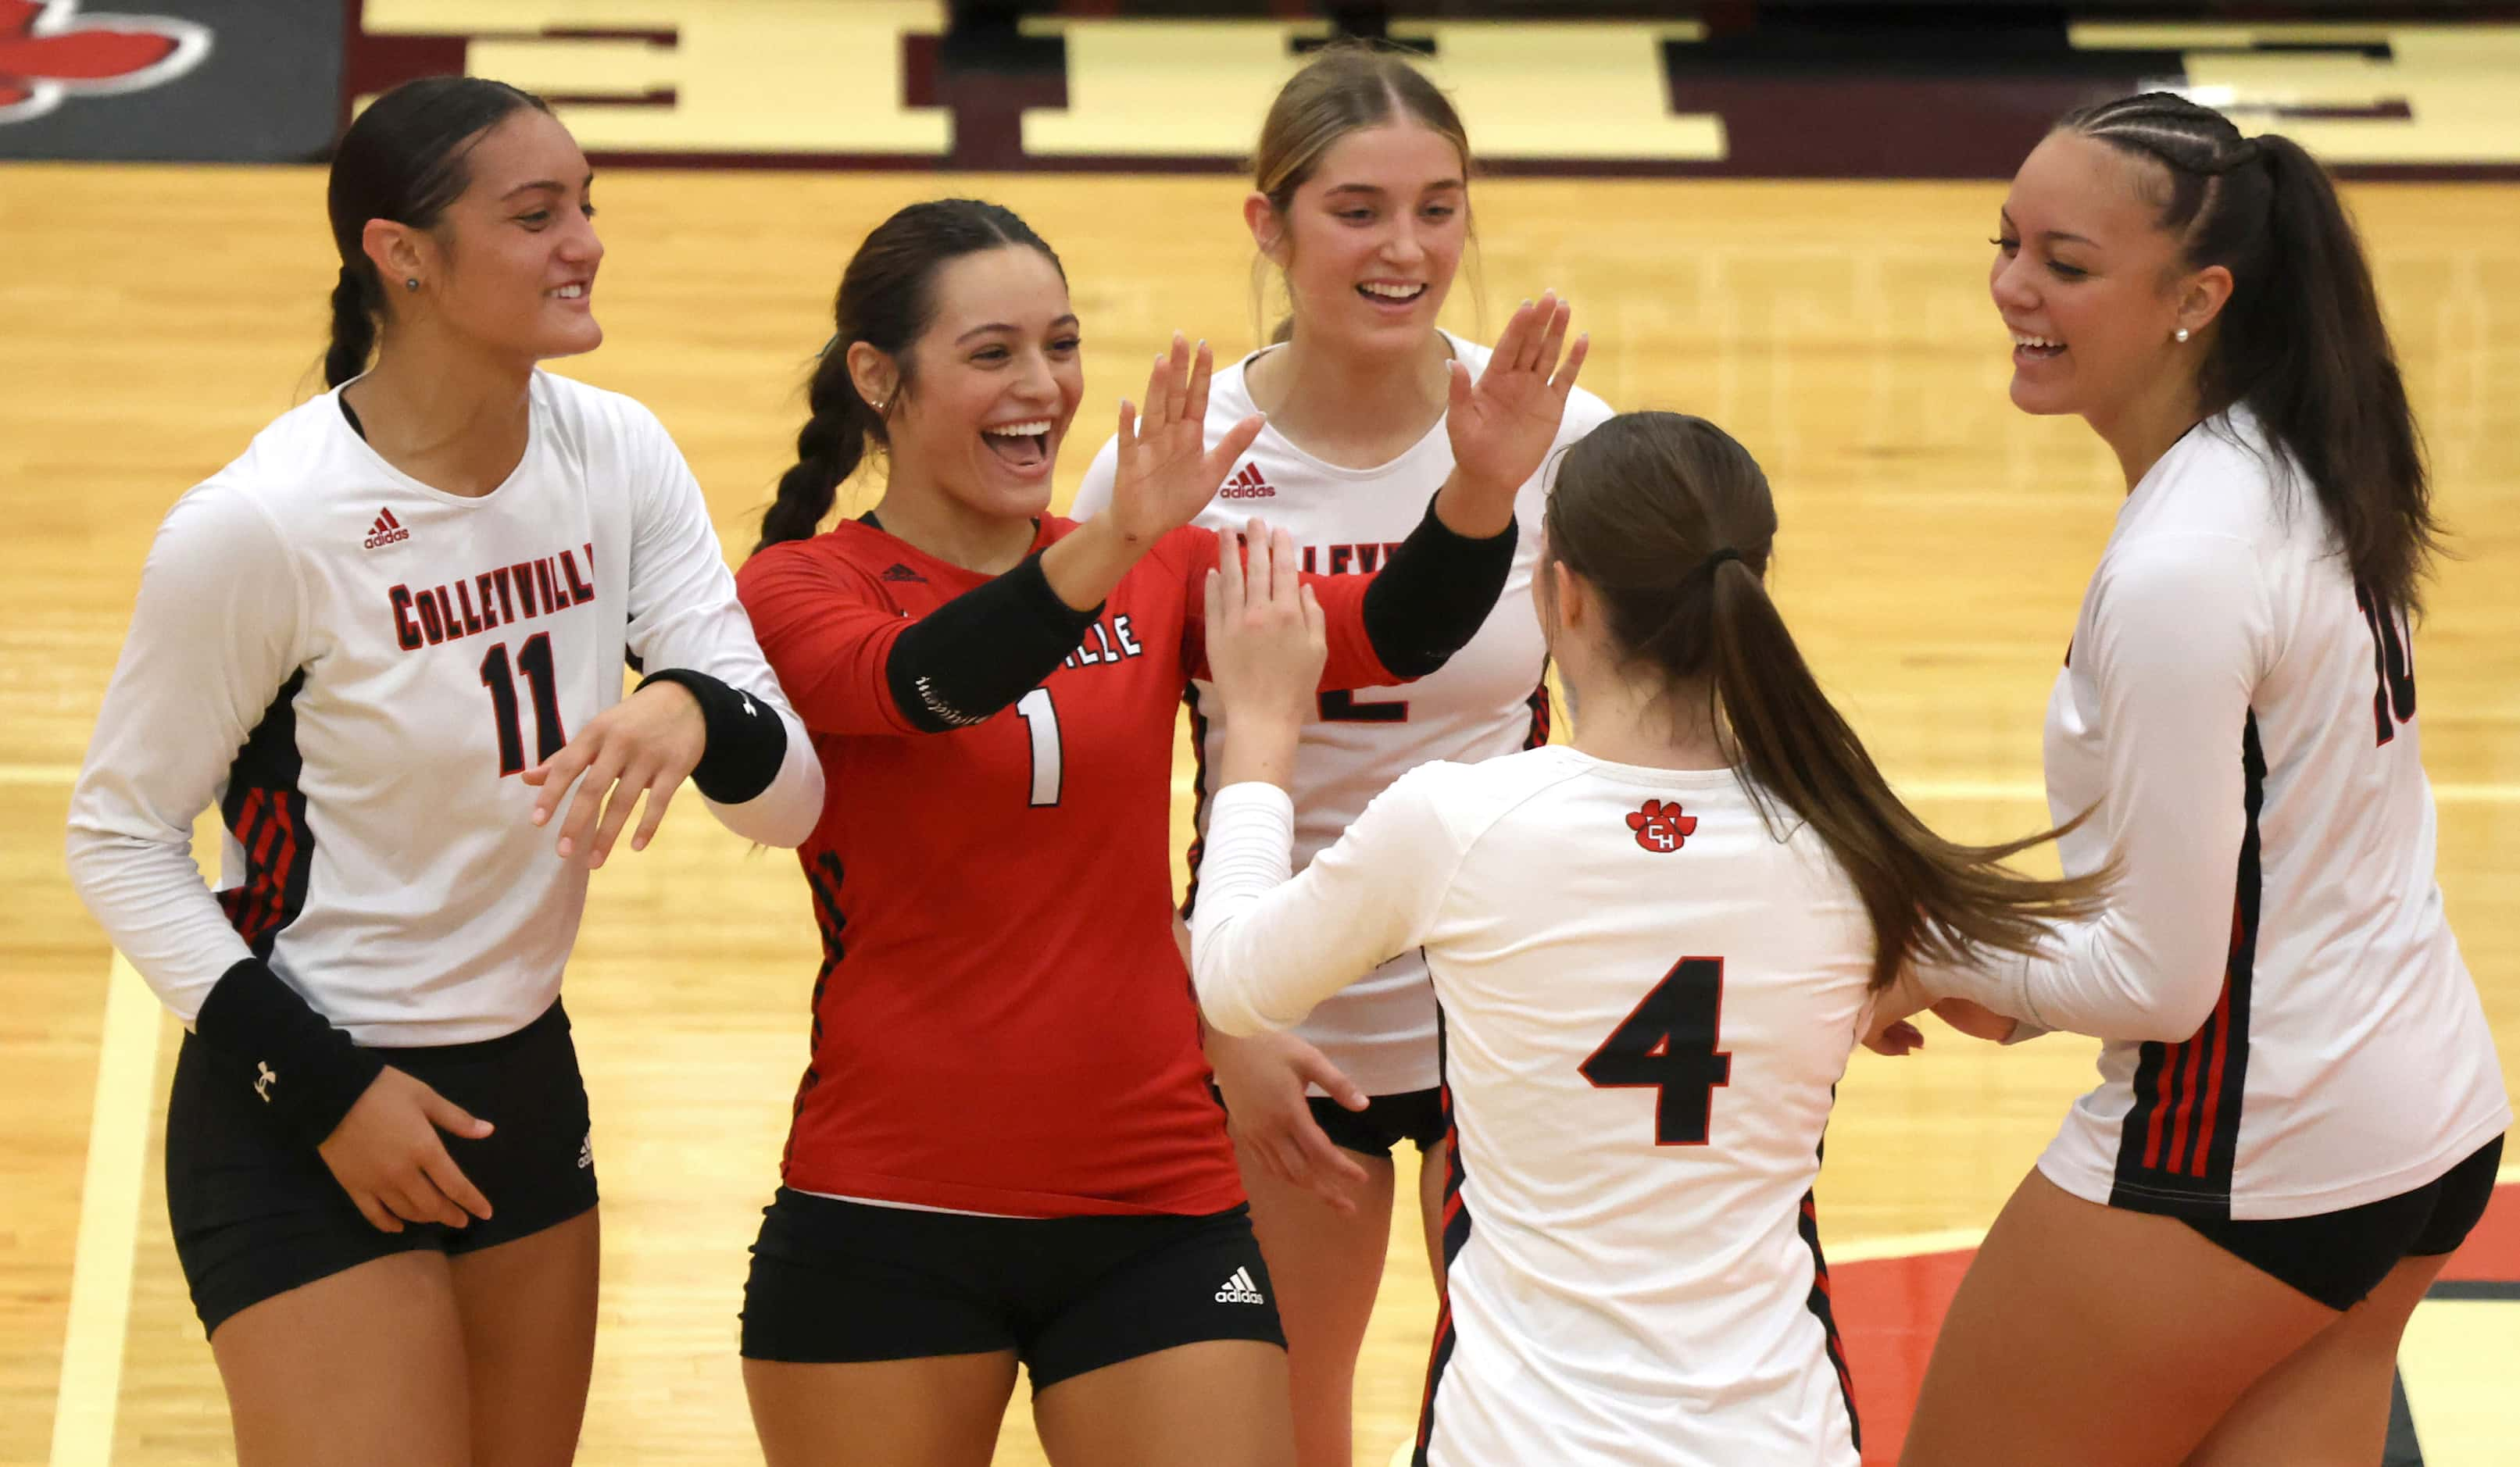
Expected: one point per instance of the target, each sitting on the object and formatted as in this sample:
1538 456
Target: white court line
1902 1245
38 774
2463 793
117 1157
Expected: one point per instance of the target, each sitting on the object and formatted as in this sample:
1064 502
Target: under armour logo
264 1080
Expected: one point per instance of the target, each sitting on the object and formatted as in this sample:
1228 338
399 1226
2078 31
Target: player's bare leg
1325 1268
1218 1403
365 1365
939 1412
2098 1335
527 1308
2328 1401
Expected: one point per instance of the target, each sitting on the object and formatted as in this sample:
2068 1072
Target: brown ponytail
1671 521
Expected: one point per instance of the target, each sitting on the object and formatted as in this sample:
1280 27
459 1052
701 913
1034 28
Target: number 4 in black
1669 1044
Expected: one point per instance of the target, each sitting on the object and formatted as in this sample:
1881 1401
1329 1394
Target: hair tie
2243 153
1706 567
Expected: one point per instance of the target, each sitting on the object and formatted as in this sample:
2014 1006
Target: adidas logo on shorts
586 1152
1239 1289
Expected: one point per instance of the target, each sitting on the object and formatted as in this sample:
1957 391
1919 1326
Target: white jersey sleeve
684 614
2182 633
1094 495
1265 949
175 713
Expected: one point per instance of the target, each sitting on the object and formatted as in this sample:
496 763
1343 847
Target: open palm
1166 475
1502 425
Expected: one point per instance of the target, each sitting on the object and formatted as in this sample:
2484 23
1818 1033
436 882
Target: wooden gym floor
1935 548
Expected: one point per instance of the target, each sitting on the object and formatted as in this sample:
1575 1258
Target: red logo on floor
49 52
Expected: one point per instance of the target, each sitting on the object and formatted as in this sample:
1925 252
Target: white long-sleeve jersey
1646 999
1488 699
2291 1028
356 667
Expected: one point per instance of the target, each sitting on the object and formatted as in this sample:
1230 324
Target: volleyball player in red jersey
1005 1149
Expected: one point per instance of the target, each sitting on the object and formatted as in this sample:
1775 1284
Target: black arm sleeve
1434 593
984 649
307 1072
747 742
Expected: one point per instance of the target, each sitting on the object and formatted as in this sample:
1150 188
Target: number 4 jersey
357 668
1645 998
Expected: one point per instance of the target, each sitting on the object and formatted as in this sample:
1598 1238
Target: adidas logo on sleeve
1239 1289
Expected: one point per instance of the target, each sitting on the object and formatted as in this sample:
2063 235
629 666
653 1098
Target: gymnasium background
1713 181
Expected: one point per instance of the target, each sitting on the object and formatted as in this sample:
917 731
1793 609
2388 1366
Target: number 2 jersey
2292 1030
1487 700
356 668
1002 1023
1646 999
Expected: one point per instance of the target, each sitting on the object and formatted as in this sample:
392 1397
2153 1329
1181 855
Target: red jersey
1002 1022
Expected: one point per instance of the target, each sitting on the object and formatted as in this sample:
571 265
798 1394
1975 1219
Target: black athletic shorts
1385 1122
256 1215
2339 1258
845 1282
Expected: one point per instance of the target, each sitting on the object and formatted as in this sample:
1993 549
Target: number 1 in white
1041 721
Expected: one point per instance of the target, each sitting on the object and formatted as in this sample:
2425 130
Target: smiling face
511 263
1369 242
994 380
2090 285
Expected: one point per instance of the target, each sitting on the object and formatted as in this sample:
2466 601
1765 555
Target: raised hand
388 1156
1502 425
1266 635
1266 642
1166 474
649 743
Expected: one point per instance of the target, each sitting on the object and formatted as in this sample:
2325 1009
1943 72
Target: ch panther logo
1660 827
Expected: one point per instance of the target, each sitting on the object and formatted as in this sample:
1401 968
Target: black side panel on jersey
1806 1224
1456 1235
1538 737
2176 1148
267 814
823 876
1197 802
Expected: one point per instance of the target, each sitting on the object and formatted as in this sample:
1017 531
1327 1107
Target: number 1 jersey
1002 1022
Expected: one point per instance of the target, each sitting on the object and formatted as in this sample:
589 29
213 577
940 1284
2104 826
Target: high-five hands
1502 425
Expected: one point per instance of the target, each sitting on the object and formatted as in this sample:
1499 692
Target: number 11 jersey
357 668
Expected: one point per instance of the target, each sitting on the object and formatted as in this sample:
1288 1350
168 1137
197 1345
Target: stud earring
410 283
2179 335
